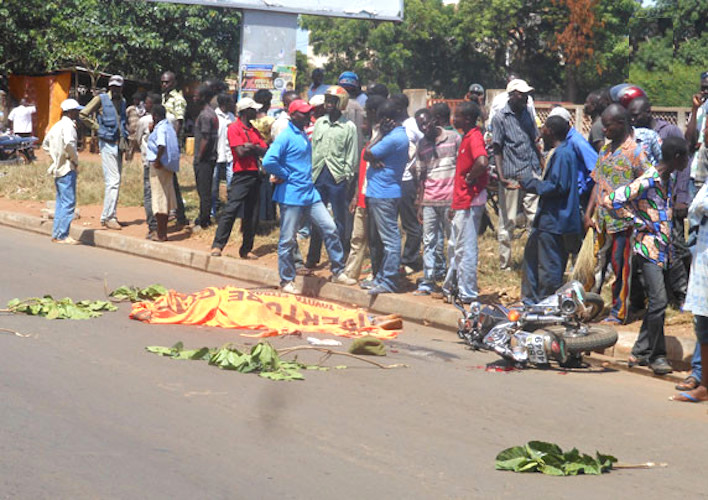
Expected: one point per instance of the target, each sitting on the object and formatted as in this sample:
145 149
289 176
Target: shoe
152 235
111 224
660 366
66 241
215 252
343 279
378 289
406 270
249 256
290 287
633 361
366 284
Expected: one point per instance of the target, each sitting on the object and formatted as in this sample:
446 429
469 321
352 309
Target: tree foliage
136 38
444 48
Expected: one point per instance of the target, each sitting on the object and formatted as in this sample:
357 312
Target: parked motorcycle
555 329
15 149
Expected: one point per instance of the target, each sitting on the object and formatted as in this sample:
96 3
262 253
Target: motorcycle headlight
567 305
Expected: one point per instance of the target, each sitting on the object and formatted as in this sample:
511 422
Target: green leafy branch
64 308
263 359
136 294
548 458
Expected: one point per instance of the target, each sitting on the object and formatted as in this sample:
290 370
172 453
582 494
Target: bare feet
697 395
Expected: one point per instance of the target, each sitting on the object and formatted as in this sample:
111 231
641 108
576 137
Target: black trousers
242 195
203 173
650 343
413 229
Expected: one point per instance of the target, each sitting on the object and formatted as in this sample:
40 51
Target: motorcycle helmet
339 92
624 93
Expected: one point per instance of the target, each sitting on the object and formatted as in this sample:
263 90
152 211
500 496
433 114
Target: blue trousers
384 241
545 259
336 195
64 205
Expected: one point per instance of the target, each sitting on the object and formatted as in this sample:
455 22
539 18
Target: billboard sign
387 10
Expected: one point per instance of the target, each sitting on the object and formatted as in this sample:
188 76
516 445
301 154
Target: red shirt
238 135
471 148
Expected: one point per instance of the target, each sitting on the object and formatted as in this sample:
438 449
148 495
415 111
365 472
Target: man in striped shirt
435 174
516 156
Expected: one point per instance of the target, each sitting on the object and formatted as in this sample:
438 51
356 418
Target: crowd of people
354 171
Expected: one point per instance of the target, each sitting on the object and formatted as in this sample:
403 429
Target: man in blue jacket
289 161
557 217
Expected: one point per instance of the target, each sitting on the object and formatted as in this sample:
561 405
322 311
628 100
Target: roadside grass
31 182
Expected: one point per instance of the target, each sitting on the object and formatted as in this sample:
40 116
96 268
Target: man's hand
697 101
353 203
450 214
588 223
386 125
419 213
470 179
276 180
510 184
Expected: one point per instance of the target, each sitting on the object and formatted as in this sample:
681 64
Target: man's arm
621 197
273 160
558 181
691 127
86 114
70 139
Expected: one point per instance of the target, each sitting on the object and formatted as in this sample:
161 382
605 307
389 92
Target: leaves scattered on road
65 308
548 458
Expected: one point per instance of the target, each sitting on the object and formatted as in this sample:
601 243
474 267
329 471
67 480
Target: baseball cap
69 104
299 105
476 88
518 85
349 79
115 81
562 112
247 103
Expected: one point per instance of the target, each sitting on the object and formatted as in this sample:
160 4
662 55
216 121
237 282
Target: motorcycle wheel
596 304
597 339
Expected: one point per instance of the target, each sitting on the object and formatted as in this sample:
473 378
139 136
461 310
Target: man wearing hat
110 124
475 93
60 144
289 161
247 146
516 156
354 111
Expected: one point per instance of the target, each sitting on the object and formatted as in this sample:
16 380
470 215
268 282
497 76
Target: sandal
216 252
688 384
633 360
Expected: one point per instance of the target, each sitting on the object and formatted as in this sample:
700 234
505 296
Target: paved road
87 413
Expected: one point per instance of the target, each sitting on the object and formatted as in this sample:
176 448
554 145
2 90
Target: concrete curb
679 349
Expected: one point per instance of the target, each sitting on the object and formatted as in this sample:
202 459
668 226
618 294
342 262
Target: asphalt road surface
86 412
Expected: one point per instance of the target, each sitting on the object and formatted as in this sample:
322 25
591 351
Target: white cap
115 81
562 112
317 100
69 104
246 103
519 86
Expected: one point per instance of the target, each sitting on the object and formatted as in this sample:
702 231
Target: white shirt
223 150
414 135
21 118
279 124
142 132
60 143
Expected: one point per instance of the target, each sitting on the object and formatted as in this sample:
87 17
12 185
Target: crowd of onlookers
352 170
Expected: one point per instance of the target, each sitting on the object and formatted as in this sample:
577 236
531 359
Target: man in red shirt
468 200
247 146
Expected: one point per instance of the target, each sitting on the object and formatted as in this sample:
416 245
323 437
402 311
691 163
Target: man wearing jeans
649 200
289 161
388 158
335 153
60 143
435 172
468 200
111 127
514 136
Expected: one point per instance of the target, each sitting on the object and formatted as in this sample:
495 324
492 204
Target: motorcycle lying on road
555 329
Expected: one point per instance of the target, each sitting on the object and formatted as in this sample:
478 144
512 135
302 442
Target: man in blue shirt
289 161
387 158
557 217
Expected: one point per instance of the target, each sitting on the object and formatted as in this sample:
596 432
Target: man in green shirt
335 154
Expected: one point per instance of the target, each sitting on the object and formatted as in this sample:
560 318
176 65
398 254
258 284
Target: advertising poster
273 77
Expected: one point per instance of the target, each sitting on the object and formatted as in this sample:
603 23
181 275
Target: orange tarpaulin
47 92
272 312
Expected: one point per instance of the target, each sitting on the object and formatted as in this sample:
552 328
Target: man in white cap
516 155
500 100
247 146
110 124
60 144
